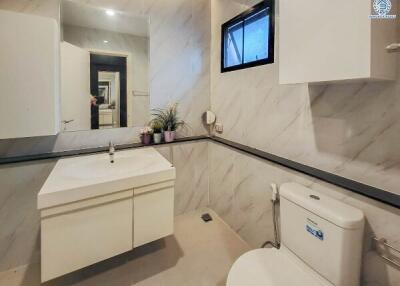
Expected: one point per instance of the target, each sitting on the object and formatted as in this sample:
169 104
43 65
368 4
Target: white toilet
321 245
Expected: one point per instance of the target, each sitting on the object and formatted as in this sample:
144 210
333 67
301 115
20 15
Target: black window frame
266 4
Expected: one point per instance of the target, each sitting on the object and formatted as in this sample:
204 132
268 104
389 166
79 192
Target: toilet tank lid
335 211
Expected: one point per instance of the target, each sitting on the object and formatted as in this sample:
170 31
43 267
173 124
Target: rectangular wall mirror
104 68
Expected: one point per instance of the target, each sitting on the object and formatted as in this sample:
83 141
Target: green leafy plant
157 125
168 117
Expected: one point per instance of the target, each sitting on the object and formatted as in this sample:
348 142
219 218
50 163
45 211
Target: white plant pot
157 138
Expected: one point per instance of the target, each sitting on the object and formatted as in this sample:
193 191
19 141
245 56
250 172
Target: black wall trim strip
357 187
62 154
354 186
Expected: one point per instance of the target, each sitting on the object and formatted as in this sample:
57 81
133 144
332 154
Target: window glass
256 37
234 45
248 39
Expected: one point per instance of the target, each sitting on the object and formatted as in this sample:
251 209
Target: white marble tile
221 170
19 218
240 194
180 47
191 185
252 199
349 129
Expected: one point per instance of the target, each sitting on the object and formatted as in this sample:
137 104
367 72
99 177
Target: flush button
314 197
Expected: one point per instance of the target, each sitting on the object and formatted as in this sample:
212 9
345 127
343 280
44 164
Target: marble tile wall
240 193
20 183
179 68
191 163
19 217
349 129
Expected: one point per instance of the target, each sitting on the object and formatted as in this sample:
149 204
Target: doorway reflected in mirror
109 92
104 68
108 82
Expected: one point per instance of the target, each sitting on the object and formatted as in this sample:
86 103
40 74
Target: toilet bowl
272 267
321 245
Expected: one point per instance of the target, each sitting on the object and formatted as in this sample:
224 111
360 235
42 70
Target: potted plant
145 135
157 127
170 121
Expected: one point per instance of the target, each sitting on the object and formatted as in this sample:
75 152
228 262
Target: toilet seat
272 267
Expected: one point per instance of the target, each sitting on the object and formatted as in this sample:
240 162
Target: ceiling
83 15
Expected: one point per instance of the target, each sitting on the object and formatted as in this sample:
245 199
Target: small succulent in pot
157 126
170 121
145 135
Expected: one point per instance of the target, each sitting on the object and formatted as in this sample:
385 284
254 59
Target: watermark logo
382 8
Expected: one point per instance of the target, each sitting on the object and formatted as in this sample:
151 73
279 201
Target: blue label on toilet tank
315 231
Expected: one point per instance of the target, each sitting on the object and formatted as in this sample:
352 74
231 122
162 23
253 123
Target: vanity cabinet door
77 235
153 213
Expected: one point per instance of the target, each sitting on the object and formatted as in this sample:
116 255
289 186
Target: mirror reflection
104 68
108 100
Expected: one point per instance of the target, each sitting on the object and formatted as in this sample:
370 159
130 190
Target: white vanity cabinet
325 40
92 210
29 75
153 212
80 234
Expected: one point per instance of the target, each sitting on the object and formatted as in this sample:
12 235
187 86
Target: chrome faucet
111 151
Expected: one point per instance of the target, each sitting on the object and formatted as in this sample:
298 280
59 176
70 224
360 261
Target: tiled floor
199 254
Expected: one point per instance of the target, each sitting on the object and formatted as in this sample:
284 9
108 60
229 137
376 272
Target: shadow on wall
357 121
27 146
372 263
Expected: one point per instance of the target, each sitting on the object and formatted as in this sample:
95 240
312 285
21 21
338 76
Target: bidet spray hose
274 200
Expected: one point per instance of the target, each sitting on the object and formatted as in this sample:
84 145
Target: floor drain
206 217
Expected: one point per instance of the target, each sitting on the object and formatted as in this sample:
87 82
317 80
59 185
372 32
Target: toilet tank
324 233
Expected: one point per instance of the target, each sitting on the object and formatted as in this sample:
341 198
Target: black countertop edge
354 186
62 154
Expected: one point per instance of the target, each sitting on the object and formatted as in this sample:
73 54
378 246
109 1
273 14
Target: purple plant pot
146 139
169 136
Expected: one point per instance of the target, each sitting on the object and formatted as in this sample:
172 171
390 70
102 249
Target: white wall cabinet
325 40
29 75
79 234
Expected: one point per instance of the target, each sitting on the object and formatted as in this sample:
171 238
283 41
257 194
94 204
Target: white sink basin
83 177
98 167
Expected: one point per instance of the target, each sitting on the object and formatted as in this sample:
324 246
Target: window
248 39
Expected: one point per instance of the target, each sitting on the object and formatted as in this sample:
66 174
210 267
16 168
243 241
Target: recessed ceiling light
110 12
105 42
